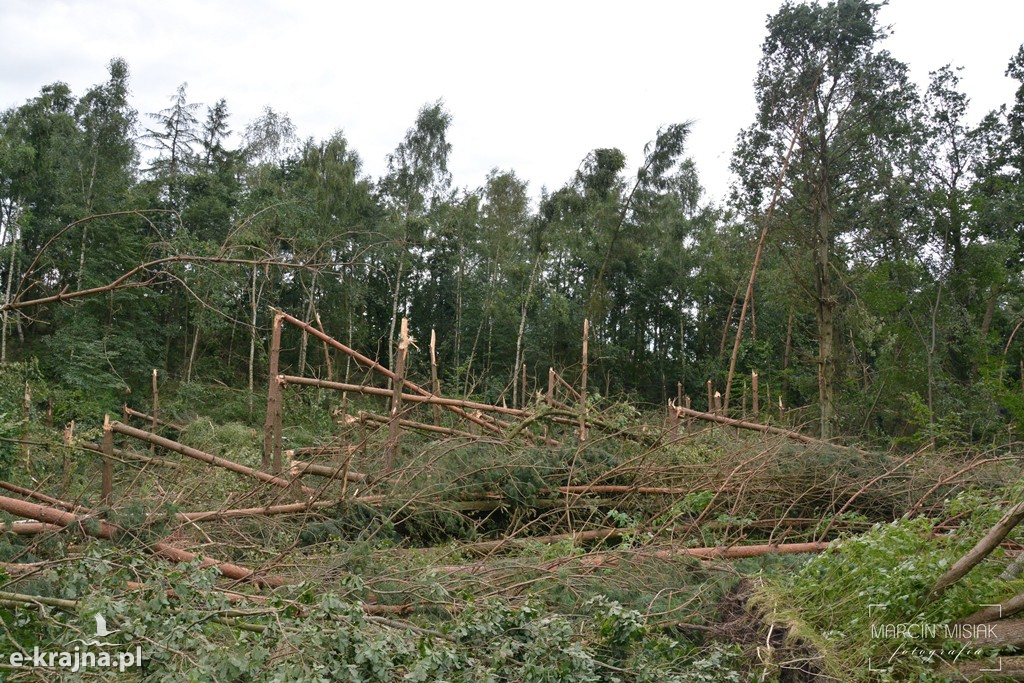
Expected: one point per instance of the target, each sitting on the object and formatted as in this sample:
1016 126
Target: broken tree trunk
152 419
753 387
197 454
709 417
108 463
299 468
26 413
994 612
377 367
156 411
393 446
583 383
272 424
101 529
410 424
420 398
979 552
435 385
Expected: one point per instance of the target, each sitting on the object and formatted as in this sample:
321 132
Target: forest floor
649 551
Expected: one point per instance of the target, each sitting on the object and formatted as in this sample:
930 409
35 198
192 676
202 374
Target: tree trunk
252 339
522 330
394 312
824 306
12 231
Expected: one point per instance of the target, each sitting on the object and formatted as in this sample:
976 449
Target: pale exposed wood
108 464
756 396
583 383
392 448
435 384
271 426
298 468
155 409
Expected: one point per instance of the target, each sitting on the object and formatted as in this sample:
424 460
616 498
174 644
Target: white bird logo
101 627
101 632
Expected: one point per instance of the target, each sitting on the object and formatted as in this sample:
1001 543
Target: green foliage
302 635
838 603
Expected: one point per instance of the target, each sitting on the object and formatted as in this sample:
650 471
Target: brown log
411 398
979 552
319 450
561 380
35 495
1002 668
128 455
377 367
101 529
421 426
29 528
153 420
197 454
993 612
299 468
741 424
990 634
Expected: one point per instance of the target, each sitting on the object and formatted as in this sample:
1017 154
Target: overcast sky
532 86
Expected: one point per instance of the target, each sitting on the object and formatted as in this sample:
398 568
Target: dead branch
203 457
131 412
766 429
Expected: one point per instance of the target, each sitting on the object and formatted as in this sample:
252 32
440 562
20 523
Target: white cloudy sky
532 86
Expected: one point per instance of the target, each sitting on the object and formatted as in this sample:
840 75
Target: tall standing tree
417 177
821 65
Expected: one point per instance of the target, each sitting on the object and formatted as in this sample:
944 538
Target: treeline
887 297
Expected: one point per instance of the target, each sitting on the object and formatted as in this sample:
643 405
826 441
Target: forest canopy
887 300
